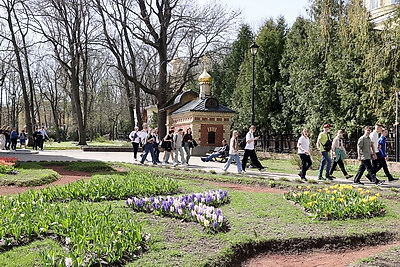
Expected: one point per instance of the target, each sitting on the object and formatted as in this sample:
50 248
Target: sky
255 12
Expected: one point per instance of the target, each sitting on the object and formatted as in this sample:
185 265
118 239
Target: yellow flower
341 199
334 191
359 189
310 203
328 192
299 187
377 194
367 191
364 200
314 195
361 192
319 190
372 198
308 187
306 192
298 194
332 198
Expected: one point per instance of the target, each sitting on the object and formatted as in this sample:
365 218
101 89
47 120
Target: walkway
126 157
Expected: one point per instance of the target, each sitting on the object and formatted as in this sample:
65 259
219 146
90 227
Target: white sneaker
163 163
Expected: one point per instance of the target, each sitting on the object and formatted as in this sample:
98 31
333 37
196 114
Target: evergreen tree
226 73
268 81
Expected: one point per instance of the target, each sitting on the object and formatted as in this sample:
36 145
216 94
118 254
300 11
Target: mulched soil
316 258
312 258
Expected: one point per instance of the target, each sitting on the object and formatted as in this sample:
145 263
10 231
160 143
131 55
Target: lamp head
254 48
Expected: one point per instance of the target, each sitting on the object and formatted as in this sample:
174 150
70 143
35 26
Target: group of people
179 143
9 138
371 151
175 144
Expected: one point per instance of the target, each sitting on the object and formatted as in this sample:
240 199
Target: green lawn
256 219
52 145
29 174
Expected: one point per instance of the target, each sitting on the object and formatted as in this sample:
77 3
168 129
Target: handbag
194 143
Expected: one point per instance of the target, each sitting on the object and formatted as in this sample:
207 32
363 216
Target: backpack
242 143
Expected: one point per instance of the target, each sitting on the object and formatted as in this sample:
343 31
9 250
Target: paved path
195 163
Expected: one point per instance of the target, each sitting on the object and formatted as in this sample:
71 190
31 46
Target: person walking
365 148
233 153
324 145
155 144
167 144
375 139
2 138
303 149
149 147
22 139
45 136
249 151
37 139
178 138
188 143
14 138
339 154
142 136
134 137
7 133
382 157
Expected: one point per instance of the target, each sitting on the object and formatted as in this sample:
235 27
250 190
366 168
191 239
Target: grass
29 255
29 174
74 145
255 218
94 166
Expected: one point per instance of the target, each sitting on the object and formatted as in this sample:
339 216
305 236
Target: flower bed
7 165
92 235
200 207
338 202
111 187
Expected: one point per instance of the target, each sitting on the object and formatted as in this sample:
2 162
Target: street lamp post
253 49
13 119
396 129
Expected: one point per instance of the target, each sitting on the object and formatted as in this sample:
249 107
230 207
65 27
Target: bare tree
166 27
67 25
16 35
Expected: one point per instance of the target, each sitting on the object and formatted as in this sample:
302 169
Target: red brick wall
219 133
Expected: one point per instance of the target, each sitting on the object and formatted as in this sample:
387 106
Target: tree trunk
131 106
28 120
77 104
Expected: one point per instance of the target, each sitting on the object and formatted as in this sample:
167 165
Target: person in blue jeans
234 153
323 146
383 157
219 152
14 138
149 147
